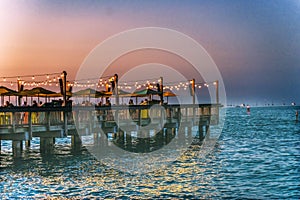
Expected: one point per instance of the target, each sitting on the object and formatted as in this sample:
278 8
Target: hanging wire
32 75
151 79
101 82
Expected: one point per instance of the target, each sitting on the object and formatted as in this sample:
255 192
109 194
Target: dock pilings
58 123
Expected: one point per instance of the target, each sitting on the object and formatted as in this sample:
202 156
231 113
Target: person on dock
24 117
107 103
130 102
40 104
34 104
7 116
8 104
144 112
34 115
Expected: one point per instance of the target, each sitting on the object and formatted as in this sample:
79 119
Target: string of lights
52 79
138 84
177 85
96 79
143 80
4 78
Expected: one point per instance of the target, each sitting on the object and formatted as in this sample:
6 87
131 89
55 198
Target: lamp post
20 88
193 90
161 91
64 89
115 88
216 83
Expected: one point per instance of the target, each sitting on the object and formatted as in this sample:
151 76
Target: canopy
121 93
169 94
145 92
4 91
37 92
89 92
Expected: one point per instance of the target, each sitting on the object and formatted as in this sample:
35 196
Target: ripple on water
257 156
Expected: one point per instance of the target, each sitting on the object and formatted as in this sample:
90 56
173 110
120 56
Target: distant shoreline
263 106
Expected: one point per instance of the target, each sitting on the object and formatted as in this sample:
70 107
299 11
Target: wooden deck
23 123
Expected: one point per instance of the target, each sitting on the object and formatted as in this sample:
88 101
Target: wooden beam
15 136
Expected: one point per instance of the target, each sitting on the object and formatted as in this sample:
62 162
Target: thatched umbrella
40 92
89 92
144 93
169 93
121 93
37 92
4 91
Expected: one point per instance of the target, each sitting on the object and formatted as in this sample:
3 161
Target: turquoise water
256 157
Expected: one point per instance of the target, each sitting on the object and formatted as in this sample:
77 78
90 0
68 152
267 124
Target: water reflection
144 142
257 157
71 173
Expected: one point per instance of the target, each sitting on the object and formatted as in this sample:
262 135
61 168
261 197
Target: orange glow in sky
255 44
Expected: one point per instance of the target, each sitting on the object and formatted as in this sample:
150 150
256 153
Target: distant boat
241 105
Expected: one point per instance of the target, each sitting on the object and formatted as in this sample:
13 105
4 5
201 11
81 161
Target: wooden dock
20 124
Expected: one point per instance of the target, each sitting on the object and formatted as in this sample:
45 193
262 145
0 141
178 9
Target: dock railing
34 119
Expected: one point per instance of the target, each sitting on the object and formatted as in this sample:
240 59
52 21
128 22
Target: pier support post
27 144
160 138
76 142
189 129
168 135
65 118
46 145
120 139
201 133
128 140
143 141
207 132
103 141
96 137
17 147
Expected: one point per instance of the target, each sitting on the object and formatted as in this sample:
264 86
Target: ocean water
256 157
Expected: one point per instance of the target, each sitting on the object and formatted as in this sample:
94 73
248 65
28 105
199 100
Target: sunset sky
255 44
